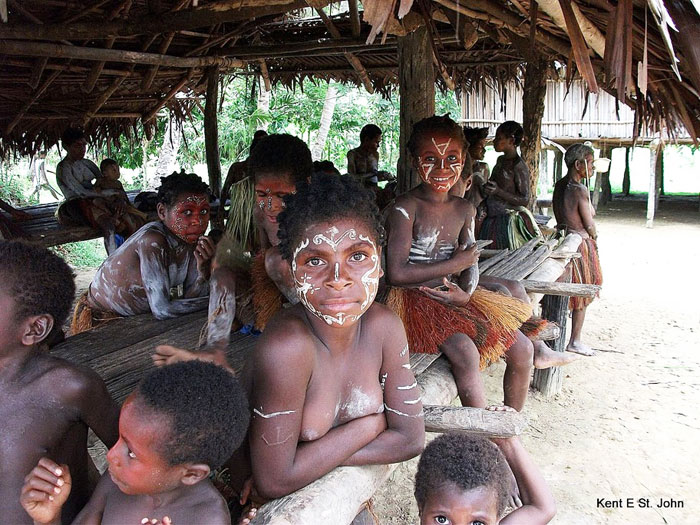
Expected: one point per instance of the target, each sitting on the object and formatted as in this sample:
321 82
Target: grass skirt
86 318
586 270
267 299
490 319
510 230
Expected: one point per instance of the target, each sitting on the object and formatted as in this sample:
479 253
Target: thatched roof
112 65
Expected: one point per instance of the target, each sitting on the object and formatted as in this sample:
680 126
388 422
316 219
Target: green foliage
14 188
85 254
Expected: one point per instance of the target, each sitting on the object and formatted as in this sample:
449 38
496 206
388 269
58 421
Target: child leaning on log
47 404
431 263
464 480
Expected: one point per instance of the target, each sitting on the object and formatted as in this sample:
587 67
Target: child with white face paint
432 256
331 382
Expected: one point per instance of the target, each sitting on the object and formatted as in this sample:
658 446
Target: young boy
431 248
163 268
48 404
363 161
508 222
464 480
129 219
182 421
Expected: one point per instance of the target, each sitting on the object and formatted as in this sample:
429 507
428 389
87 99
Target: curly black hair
39 281
431 125
465 461
510 128
369 131
283 155
327 198
474 135
207 408
175 184
70 135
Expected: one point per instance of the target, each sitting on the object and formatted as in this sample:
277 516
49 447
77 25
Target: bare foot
500 408
545 357
248 515
167 355
579 348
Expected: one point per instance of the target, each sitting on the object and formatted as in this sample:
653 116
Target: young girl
331 383
431 254
465 480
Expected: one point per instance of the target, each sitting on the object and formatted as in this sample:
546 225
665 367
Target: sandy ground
625 423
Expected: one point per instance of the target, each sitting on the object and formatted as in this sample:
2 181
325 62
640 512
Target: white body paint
273 414
403 212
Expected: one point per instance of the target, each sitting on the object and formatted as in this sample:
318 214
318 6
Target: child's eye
442 520
204 212
131 454
358 257
314 261
452 158
187 213
429 158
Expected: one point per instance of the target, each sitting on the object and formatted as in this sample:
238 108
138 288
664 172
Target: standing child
431 253
48 404
182 421
464 480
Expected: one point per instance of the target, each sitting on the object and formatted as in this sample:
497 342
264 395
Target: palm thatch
112 65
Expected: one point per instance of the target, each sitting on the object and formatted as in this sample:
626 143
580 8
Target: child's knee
461 351
521 352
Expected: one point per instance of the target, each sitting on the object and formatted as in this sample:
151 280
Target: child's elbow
273 487
549 510
415 443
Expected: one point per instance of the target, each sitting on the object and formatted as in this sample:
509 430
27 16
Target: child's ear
160 208
194 473
36 328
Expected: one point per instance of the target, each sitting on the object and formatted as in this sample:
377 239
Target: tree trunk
325 125
211 131
626 176
534 91
417 96
145 142
263 107
168 153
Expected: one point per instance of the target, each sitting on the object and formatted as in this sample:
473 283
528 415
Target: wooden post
656 149
558 165
534 92
606 189
211 131
417 92
626 176
659 172
554 308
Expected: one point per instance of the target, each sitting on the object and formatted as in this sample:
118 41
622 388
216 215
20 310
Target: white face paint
442 147
440 158
403 212
272 414
369 280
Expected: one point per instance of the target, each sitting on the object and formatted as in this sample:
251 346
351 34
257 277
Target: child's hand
203 253
46 488
153 521
454 295
167 355
490 188
467 257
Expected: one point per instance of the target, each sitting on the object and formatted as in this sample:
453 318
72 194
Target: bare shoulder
76 382
210 506
383 317
287 338
408 201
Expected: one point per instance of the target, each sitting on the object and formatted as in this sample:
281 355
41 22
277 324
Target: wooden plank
493 259
419 362
558 288
474 421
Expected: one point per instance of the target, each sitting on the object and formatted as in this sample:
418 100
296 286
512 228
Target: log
530 263
534 93
493 259
594 38
558 288
173 91
474 421
514 259
211 131
655 168
489 254
42 49
553 267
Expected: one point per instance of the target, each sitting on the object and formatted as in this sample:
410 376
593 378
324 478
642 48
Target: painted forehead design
442 146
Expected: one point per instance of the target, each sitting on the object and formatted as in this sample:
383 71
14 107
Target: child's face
585 167
453 506
503 142
188 217
439 161
336 270
270 190
135 466
111 172
478 150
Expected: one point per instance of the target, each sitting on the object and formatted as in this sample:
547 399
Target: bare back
572 206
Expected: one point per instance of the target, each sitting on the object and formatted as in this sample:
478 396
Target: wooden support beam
557 288
534 93
216 13
96 69
153 70
265 74
35 96
475 421
417 96
626 174
466 32
554 267
558 164
655 175
42 49
104 97
211 131
174 91
37 72
355 26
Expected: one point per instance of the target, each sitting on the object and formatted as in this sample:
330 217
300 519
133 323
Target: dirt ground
625 423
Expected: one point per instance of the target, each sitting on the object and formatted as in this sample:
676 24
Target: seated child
163 268
463 480
252 292
129 219
47 404
181 422
432 255
331 382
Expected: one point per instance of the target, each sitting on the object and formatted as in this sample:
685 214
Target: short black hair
207 410
434 124
369 132
107 162
70 135
325 166
327 198
281 154
39 281
467 462
256 138
474 135
510 128
175 184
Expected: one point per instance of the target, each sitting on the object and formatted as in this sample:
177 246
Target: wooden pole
658 172
211 131
558 164
652 196
534 92
355 26
626 175
417 96
42 49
